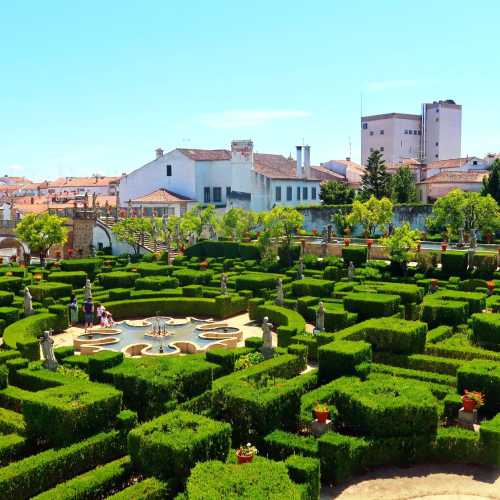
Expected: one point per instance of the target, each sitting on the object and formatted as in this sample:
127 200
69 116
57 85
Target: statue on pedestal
88 290
267 338
280 299
351 271
223 284
320 318
28 302
301 268
47 345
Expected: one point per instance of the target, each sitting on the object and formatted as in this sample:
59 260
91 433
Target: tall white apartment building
436 134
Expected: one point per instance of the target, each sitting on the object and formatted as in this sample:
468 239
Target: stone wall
319 217
83 230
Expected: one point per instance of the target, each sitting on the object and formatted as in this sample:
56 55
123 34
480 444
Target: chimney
307 161
347 158
298 171
159 153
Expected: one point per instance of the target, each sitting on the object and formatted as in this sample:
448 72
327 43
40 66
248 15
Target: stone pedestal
468 419
319 428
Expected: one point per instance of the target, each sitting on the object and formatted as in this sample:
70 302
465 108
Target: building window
474 162
228 191
364 126
298 194
278 193
414 132
371 150
371 132
419 132
169 170
437 110
217 194
406 132
304 193
437 143
381 132
436 156
410 132
313 193
381 148
289 193
437 119
206 194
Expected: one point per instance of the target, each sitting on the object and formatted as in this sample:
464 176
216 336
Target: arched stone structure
12 242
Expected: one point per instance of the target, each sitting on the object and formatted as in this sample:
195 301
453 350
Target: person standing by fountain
88 310
73 310
100 312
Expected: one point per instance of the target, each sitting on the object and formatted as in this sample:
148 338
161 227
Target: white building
238 177
435 134
348 171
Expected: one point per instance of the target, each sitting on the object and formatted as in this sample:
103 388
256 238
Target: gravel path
424 482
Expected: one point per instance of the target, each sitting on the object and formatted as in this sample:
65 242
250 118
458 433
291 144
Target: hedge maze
391 365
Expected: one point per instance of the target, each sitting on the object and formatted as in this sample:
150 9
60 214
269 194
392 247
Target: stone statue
47 345
28 303
223 284
351 271
320 318
88 290
279 293
267 338
301 268
94 200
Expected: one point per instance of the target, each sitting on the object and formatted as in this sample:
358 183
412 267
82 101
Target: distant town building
348 171
229 178
435 134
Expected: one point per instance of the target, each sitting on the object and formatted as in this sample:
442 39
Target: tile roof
456 177
325 174
162 196
451 163
278 167
71 182
206 154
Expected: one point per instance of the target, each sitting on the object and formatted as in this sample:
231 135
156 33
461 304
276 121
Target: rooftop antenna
361 104
350 147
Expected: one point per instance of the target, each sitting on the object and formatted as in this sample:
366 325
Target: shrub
101 361
280 445
409 293
12 446
11 283
147 489
118 279
306 471
260 479
449 312
312 287
193 277
36 473
454 444
226 358
11 422
372 305
88 266
156 283
74 278
454 263
80 410
355 254
379 408
169 446
341 357
438 334
92 484
256 281
486 328
226 249
341 456
50 289
6 298
489 435
151 269
9 314
476 301
483 376
119 294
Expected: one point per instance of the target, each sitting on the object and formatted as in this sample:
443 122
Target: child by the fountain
100 310
108 319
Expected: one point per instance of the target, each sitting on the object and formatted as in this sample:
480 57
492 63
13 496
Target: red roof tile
162 196
206 154
456 177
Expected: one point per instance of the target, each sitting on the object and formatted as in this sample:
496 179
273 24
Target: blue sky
95 86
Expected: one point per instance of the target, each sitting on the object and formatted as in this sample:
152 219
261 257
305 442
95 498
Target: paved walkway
423 482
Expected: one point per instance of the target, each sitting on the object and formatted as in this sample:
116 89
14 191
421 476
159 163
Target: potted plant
491 286
204 264
346 242
472 400
369 243
321 412
245 453
444 246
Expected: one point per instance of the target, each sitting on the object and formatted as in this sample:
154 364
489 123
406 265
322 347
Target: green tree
41 232
371 214
236 223
464 210
376 180
279 225
336 193
402 241
491 184
130 230
403 186
199 218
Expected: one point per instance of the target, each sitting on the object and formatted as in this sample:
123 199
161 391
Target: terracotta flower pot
243 459
346 242
444 246
469 405
321 416
369 243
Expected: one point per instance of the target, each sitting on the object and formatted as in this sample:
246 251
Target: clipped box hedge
147 489
169 446
486 328
226 249
312 287
476 300
11 284
118 279
156 283
356 254
436 312
257 281
454 263
6 298
50 289
193 276
89 266
74 278
372 305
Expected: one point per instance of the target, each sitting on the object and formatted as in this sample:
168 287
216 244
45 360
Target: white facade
433 135
224 178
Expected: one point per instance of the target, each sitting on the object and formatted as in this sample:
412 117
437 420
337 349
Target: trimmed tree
41 232
336 193
404 189
376 180
491 184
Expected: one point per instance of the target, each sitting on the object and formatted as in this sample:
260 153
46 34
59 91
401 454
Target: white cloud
15 168
235 118
391 84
